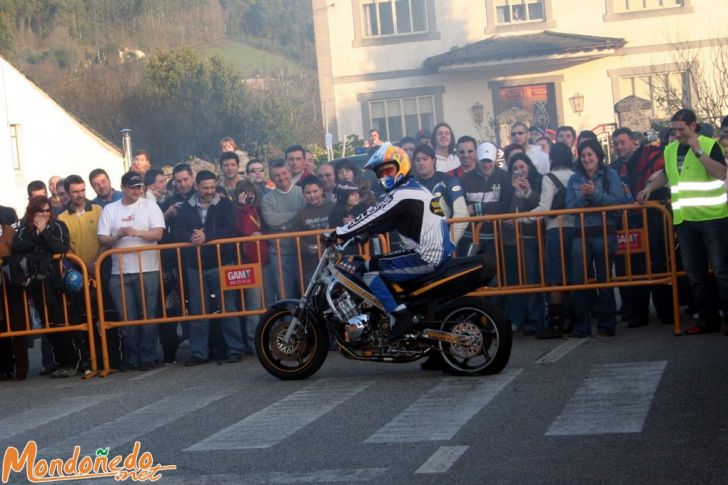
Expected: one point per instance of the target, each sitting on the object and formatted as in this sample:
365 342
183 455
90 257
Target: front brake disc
292 350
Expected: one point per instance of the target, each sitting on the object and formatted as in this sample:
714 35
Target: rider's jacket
407 210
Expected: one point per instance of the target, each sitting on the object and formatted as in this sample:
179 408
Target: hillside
246 59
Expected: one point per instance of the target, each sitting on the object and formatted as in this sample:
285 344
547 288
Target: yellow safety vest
696 195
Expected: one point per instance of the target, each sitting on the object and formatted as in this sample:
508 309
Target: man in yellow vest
695 168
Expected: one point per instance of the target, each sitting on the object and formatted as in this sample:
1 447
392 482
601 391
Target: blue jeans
526 310
200 329
249 323
595 249
139 341
702 243
290 286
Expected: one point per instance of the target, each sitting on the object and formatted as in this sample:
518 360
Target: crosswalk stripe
615 399
46 413
280 420
442 459
443 410
131 426
556 354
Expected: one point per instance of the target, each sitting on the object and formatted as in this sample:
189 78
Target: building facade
404 65
38 139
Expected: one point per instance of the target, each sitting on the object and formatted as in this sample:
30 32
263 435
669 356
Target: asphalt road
642 407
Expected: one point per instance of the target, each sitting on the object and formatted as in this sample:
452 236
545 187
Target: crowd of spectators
533 173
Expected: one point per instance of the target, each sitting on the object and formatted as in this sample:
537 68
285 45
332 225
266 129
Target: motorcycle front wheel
298 358
490 338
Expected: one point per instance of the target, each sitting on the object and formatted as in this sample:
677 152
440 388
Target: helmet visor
387 170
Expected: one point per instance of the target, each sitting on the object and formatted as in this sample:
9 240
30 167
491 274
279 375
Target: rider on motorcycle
424 235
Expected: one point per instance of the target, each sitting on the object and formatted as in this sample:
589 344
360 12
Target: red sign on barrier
241 276
637 239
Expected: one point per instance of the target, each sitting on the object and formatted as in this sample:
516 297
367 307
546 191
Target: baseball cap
487 150
132 179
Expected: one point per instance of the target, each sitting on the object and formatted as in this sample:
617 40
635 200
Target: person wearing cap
488 190
447 193
348 204
134 221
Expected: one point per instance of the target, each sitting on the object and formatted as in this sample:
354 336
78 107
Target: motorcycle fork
298 311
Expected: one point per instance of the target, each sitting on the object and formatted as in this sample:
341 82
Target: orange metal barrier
22 325
629 235
305 253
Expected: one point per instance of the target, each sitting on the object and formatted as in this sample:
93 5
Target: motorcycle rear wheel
491 334
299 358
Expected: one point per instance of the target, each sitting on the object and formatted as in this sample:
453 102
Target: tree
704 71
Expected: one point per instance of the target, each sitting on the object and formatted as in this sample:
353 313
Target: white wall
52 142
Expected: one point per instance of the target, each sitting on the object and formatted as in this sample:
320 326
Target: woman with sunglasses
39 237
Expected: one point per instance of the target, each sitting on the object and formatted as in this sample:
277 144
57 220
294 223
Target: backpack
559 200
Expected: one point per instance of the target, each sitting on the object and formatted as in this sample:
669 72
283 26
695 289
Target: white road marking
442 459
133 425
281 419
146 374
319 476
440 412
556 354
615 399
46 413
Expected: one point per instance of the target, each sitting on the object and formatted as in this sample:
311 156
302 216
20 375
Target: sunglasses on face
463 152
518 133
256 170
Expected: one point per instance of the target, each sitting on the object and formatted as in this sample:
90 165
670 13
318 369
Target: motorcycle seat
452 267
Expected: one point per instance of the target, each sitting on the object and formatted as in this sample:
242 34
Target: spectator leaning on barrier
314 215
695 168
594 185
279 208
635 164
558 242
487 190
131 222
207 216
38 238
526 312
248 223
448 197
13 350
105 194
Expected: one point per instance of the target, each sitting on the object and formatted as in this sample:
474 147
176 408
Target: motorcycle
471 335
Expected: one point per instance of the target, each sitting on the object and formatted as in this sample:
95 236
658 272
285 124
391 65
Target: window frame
365 100
618 75
612 15
492 26
361 39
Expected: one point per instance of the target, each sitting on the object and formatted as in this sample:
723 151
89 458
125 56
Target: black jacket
219 224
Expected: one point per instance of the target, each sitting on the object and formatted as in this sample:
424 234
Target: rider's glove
328 238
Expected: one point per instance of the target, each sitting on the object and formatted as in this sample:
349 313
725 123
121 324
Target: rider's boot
404 321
